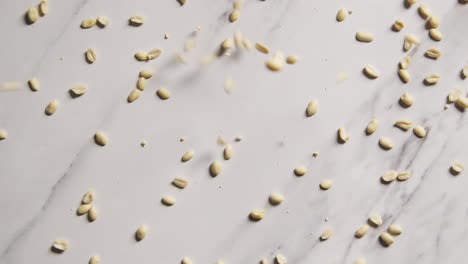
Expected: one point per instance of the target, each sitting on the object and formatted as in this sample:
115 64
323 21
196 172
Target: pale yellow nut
257 214
229 85
51 108
404 124
280 259
163 93
407 100
134 94
419 131
263 261
411 2
137 20
292 59
371 71
141 232
387 239
227 44
262 47
215 168
432 79
398 25
435 34
146 73
234 15
389 176
227 153
372 126
187 156
342 135
238 37
410 41
341 14
34 84
395 229
312 108
88 22
141 84
457 167
403 176
300 171
101 138
326 184
464 72
83 209
362 231
186 261
95 260
141 56
405 62
59 246
315 154
365 36
247 44
168 200
386 143
90 56
424 11
433 22
154 53
462 102
78 90
32 15
326 234
88 197
182 2
454 95
433 53
180 183
375 220
275 63
360 261
3 134
43 7
93 214
404 75
276 198
102 21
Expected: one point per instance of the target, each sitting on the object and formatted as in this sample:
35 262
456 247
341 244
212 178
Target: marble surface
48 162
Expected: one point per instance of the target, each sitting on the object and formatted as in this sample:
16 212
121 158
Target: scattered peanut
43 7
375 220
187 156
398 25
141 84
88 197
154 53
457 167
168 200
83 209
435 34
134 94
146 73
163 93
3 134
362 231
262 47
51 108
419 131
60 246
95 260
404 75
300 171
341 15
102 21
92 214
387 239
100 138
88 22
364 36
326 234
275 63
386 143
403 176
433 22
372 126
141 232
326 184
432 79
137 20
78 90
280 259
312 108
406 100
404 124
276 198
180 183
405 62
90 56
227 153
371 72
462 102
424 11
389 176
215 168
454 95
257 214
395 229
32 15
34 84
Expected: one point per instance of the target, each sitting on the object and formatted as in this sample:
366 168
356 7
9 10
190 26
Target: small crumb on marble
182 139
238 138
143 143
315 154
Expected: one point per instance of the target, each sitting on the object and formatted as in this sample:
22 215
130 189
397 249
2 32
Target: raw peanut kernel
141 232
88 197
102 21
78 90
404 124
342 135
404 75
403 176
187 156
375 220
410 41
371 72
292 59
60 246
326 184
141 84
185 261
326 234
433 53
424 11
141 56
364 36
51 108
215 168
464 72
406 100
32 15
360 261
389 176
280 259
454 95
90 56
435 34
432 79
100 138
137 20
163 93
43 7
405 62
300 171
257 214
3 134
433 22
276 198
262 47
134 94
275 63
341 15
457 168
462 102
362 231
419 131
146 73
227 153
387 239
83 209
395 229
312 108
154 53
168 200
386 143
398 25
34 84
372 126
180 183
92 214
234 15
88 22
95 260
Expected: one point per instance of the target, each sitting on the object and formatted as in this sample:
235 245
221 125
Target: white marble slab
48 163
